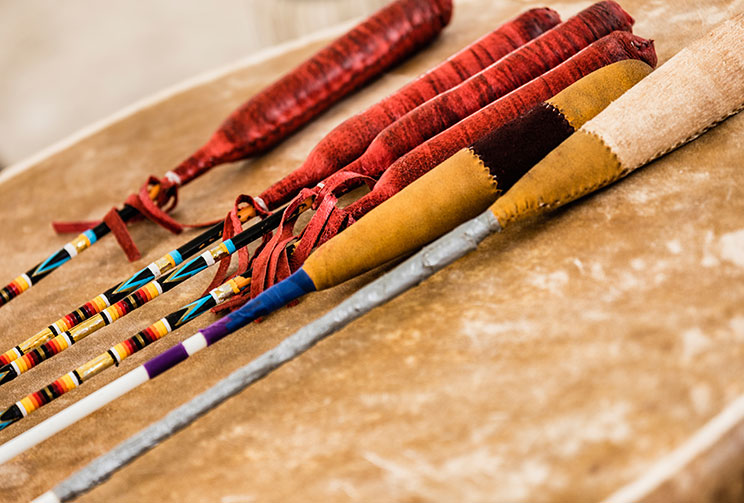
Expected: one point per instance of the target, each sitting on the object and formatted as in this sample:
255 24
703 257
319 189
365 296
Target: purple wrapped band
166 360
216 331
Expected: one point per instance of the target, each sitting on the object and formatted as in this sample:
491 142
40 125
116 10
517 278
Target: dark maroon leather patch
511 150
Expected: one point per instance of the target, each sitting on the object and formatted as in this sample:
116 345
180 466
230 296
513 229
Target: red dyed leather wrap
348 140
379 42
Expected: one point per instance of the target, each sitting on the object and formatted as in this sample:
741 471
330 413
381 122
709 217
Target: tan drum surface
557 363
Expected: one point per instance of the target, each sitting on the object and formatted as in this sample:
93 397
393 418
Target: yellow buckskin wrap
583 100
458 189
700 86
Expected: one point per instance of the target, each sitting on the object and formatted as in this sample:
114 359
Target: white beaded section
115 354
167 325
154 269
208 258
74 378
195 343
70 248
105 300
22 409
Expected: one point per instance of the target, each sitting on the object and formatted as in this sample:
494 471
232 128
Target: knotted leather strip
143 202
233 225
272 249
119 229
326 208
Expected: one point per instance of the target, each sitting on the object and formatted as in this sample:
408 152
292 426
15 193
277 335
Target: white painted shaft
72 414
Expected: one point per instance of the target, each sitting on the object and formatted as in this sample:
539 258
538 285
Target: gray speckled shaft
420 266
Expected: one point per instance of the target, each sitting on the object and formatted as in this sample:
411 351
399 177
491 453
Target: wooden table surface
557 363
